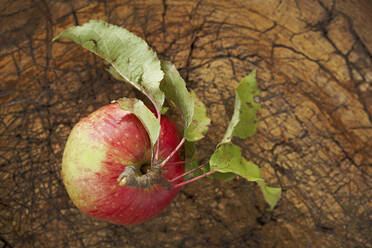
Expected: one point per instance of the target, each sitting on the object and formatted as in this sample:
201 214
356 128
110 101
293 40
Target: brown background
314 68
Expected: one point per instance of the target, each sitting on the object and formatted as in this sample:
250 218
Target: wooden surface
314 68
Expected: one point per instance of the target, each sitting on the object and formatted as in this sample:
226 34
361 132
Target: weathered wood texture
314 68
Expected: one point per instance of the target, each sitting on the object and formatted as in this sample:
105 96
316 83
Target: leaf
244 121
271 194
224 177
130 58
200 121
192 109
164 110
146 117
190 151
191 165
191 158
175 90
228 158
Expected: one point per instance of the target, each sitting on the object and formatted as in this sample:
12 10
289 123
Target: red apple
98 149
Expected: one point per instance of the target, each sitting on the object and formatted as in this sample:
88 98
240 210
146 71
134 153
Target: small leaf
164 110
244 121
200 122
146 117
175 90
225 158
190 151
192 109
191 158
228 158
224 177
271 194
191 165
130 57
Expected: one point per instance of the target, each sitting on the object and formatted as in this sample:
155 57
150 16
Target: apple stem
173 152
194 179
187 173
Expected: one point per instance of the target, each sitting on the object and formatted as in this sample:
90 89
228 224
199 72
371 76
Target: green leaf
191 165
224 177
271 194
146 117
244 121
175 90
191 158
192 109
190 151
200 121
164 110
130 58
228 158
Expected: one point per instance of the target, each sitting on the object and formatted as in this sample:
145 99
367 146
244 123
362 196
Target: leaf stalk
187 173
194 179
173 152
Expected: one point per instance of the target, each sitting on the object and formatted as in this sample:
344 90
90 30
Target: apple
98 150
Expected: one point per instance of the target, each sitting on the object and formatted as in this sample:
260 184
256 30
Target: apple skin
96 153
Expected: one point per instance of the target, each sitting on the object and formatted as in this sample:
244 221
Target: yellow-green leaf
146 117
130 58
228 159
244 121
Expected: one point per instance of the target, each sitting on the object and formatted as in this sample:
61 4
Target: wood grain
314 68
